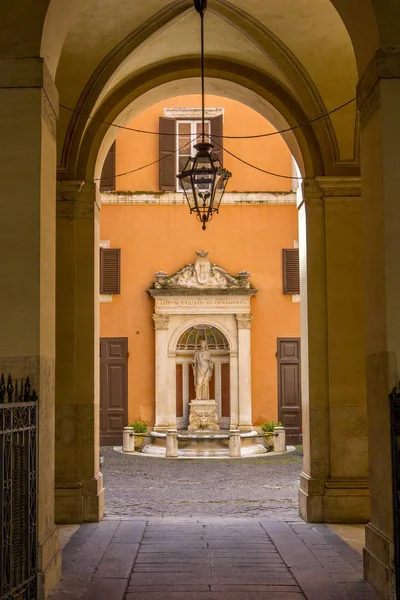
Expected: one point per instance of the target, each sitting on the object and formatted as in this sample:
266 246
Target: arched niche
219 348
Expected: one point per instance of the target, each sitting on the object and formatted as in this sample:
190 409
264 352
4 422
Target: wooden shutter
167 163
110 270
291 271
216 129
107 182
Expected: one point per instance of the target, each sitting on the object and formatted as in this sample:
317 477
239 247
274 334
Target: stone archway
30 190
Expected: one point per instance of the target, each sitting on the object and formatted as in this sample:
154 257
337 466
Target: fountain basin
205 444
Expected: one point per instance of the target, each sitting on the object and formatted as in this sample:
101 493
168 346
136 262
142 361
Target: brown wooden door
289 389
113 390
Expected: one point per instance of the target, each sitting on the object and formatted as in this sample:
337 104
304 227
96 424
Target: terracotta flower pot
139 440
270 439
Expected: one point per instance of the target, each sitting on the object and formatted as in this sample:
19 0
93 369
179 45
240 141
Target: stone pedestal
280 439
203 415
171 444
235 450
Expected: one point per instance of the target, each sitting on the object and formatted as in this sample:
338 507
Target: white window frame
193 133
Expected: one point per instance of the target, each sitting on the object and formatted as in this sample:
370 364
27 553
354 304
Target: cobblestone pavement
148 486
209 558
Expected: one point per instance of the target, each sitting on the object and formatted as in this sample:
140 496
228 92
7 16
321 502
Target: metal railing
395 439
18 490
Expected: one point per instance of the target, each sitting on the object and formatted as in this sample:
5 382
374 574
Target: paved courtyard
148 486
206 530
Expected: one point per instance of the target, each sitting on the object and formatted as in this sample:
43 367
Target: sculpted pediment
202 275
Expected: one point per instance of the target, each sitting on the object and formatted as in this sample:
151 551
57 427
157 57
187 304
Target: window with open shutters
291 271
107 181
176 133
110 271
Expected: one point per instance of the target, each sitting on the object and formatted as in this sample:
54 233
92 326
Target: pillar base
379 562
49 563
334 500
245 427
163 428
79 501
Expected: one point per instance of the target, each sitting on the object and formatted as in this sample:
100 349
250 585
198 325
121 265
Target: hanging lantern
203 181
203 178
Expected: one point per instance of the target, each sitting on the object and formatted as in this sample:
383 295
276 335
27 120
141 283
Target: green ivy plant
138 426
268 426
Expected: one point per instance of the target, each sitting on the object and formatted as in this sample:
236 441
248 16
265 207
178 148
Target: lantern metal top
203 178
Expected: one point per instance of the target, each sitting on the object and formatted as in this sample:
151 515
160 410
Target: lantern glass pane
220 183
186 184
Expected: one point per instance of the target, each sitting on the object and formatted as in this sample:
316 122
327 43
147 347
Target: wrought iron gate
18 490
395 427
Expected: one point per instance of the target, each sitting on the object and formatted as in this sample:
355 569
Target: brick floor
206 530
215 558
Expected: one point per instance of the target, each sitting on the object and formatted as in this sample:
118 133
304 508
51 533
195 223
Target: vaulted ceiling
296 56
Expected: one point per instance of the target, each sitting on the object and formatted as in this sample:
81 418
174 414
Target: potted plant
268 428
138 427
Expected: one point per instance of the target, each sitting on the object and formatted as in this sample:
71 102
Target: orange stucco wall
155 238
270 153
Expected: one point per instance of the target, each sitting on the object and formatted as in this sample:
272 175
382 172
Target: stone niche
202 302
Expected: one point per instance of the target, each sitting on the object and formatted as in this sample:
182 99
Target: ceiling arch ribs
259 35
291 67
107 67
138 84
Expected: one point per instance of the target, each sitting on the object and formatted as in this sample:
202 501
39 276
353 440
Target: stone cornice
384 65
251 198
76 199
30 72
312 193
315 192
204 292
340 187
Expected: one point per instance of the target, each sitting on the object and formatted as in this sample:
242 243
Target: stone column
244 349
79 483
165 401
347 489
29 104
334 484
379 104
314 360
234 391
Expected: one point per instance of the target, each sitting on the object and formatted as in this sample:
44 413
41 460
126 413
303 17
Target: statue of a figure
202 370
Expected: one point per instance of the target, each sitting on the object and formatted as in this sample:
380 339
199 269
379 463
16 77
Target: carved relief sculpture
202 275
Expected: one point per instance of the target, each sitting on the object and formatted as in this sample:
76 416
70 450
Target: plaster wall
165 237
269 153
